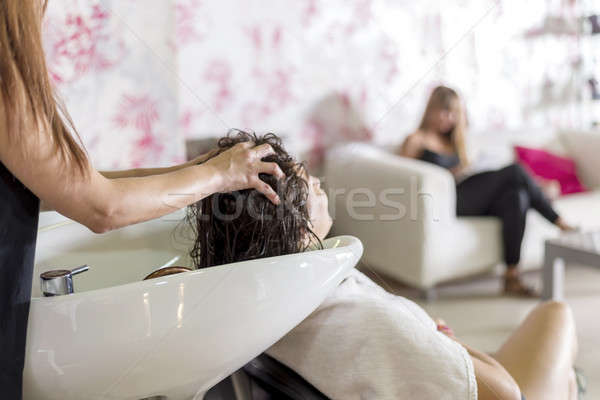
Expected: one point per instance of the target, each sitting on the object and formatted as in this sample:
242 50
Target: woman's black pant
506 193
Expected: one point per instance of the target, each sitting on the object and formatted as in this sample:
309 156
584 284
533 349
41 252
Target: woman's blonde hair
444 98
27 98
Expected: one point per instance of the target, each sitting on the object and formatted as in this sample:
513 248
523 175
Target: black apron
19 212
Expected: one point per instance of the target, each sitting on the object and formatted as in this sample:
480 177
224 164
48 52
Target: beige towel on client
364 343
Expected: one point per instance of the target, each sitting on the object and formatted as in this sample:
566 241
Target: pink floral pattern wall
141 77
113 62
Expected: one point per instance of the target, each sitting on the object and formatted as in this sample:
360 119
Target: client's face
317 204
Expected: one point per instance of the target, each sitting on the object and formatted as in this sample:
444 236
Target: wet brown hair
27 101
245 225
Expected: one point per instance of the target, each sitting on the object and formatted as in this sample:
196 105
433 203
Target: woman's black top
19 212
447 161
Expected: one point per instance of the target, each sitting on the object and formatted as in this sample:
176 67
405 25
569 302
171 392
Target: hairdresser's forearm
126 201
141 172
129 173
132 173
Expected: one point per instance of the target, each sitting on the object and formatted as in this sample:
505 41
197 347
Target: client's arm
493 380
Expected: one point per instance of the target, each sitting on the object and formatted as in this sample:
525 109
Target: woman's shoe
513 286
564 226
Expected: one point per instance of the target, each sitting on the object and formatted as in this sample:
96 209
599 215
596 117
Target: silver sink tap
59 281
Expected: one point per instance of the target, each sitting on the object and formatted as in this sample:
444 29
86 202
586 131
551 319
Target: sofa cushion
584 148
548 166
582 209
493 150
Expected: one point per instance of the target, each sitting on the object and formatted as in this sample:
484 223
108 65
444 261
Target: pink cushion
549 166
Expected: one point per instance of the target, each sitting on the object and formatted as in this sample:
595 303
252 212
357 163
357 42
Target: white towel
364 343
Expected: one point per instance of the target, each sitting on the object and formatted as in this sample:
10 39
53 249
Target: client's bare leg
540 353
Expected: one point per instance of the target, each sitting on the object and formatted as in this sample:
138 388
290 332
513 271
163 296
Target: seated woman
506 193
363 342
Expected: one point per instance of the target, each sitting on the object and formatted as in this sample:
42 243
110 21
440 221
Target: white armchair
403 210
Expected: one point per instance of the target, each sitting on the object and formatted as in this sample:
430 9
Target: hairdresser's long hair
445 98
27 101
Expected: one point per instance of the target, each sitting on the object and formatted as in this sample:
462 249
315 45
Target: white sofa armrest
584 147
393 204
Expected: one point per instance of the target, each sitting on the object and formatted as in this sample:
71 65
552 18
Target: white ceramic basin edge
174 336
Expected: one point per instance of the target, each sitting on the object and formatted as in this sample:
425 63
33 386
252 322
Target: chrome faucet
59 281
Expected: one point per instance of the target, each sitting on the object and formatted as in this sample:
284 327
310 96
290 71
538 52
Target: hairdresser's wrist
210 178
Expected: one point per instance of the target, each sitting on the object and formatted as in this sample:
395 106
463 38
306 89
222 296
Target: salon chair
265 378
278 381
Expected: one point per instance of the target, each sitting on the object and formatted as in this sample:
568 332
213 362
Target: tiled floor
483 319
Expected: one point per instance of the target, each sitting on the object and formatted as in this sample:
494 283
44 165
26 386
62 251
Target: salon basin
118 337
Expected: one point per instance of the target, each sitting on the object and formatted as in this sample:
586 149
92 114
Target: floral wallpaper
141 77
115 69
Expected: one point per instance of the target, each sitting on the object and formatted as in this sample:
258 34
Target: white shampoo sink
118 337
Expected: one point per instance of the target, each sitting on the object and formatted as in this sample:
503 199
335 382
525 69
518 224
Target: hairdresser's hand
238 168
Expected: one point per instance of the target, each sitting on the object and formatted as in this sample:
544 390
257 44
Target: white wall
195 68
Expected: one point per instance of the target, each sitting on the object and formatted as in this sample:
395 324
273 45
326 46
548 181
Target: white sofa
403 210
